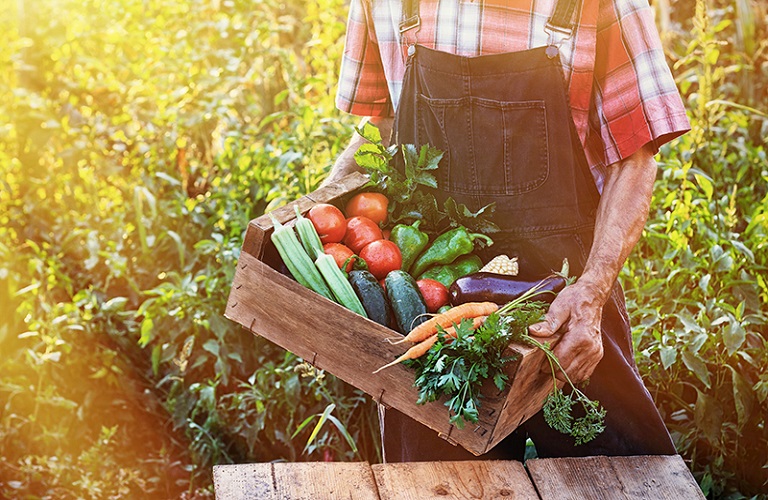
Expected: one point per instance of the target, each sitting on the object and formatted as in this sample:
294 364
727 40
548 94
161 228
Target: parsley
408 188
456 368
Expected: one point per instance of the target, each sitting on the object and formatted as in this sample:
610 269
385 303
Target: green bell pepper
448 273
410 241
448 247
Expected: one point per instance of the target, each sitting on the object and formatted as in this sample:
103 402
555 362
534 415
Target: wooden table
610 478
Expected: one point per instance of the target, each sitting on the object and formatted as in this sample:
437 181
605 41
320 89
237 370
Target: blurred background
139 137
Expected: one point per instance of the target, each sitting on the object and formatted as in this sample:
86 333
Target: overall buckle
557 35
410 23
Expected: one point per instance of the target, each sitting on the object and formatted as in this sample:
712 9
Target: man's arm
345 164
577 310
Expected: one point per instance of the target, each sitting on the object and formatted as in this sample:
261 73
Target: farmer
557 122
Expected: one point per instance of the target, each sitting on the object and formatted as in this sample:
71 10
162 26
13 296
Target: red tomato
329 222
340 254
371 205
382 256
360 232
435 294
386 233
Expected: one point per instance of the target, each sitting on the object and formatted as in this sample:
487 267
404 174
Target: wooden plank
333 192
243 481
306 480
314 480
610 478
530 387
455 480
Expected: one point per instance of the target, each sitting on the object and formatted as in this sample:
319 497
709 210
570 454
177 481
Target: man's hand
577 310
576 313
345 164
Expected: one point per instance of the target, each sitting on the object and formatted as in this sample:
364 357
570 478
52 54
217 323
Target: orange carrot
422 347
414 352
448 318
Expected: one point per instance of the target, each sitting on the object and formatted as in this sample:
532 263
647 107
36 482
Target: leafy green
408 189
457 368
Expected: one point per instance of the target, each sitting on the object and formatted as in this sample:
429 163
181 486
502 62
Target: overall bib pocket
491 147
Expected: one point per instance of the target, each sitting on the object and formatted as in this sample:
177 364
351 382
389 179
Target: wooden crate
334 339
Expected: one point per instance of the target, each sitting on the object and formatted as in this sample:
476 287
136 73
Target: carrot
422 347
414 352
448 318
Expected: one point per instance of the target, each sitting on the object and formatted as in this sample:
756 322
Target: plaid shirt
621 91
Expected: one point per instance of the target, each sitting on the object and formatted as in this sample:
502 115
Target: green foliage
703 353
138 139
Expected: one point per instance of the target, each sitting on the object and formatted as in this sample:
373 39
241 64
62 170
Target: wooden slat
243 481
454 480
296 481
317 480
530 387
613 478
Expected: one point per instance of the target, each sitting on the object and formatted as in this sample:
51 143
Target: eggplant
500 289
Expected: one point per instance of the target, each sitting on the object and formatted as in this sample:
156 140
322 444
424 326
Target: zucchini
407 303
372 295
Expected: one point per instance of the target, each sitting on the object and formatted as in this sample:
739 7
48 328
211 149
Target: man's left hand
576 313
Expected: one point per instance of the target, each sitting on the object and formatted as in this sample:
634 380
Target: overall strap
560 25
562 16
410 18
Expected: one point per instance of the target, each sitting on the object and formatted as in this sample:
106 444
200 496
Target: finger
553 321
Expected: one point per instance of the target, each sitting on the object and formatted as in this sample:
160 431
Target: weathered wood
455 480
351 347
612 478
243 481
296 481
316 480
530 387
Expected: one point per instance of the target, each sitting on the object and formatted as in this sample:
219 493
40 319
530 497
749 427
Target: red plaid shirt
622 93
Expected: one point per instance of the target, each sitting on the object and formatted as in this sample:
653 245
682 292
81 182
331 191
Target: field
139 137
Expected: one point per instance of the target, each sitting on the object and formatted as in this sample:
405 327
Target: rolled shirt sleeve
634 97
362 88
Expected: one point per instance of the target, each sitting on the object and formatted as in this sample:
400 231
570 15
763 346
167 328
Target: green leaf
157 352
743 397
697 365
369 132
708 415
147 326
733 336
668 356
476 222
344 432
705 183
114 304
319 425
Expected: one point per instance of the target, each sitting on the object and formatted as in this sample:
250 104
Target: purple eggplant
500 289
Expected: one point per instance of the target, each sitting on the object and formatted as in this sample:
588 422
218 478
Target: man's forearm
621 216
345 164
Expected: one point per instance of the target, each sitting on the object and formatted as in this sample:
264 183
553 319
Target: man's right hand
345 164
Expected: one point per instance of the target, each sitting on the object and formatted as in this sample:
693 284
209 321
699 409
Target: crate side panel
527 392
332 192
341 342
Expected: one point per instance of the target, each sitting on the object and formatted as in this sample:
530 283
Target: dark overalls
505 125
